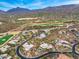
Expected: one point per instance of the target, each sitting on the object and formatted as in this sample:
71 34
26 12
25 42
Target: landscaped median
5 38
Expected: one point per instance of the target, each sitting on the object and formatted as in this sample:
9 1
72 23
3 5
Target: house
13 41
27 33
4 48
62 43
45 45
41 34
27 46
69 25
3 55
6 56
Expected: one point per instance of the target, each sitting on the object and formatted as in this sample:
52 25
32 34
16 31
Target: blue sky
33 4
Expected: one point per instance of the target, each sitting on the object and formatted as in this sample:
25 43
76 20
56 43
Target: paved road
19 53
76 33
24 57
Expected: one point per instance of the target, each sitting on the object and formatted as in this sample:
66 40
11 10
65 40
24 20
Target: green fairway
5 39
49 24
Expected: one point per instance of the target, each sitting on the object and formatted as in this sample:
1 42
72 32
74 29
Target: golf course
5 38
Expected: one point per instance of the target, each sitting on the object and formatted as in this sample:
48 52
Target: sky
34 4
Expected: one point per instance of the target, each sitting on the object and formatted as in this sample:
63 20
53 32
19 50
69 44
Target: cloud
49 3
64 2
39 4
70 2
7 4
34 4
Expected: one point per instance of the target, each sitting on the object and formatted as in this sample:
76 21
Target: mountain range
57 12
9 18
63 8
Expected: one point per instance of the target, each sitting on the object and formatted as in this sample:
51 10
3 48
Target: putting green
5 39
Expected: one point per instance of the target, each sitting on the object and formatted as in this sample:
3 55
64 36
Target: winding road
23 57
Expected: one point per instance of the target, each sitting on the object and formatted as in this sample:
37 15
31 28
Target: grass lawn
49 24
5 39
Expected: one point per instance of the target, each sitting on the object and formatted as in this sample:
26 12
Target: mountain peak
18 10
62 8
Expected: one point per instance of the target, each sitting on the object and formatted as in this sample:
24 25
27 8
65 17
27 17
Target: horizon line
39 8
